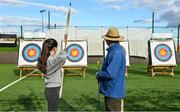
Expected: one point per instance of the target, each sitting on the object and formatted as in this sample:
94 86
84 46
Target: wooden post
84 72
122 105
173 72
21 72
152 72
164 70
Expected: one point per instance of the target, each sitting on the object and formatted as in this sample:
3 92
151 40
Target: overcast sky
91 12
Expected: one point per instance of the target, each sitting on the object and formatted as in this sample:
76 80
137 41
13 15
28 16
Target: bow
65 41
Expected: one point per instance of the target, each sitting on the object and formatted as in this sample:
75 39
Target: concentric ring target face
75 53
31 52
163 52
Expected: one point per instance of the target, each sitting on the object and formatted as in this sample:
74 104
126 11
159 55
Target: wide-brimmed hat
113 35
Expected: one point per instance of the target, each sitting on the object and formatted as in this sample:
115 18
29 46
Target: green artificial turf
143 93
9 49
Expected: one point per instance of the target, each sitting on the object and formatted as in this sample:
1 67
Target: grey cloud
145 21
167 10
172 17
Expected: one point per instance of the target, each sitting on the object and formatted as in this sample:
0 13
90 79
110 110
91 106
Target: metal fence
19 30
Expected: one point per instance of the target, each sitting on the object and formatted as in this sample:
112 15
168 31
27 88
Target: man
112 74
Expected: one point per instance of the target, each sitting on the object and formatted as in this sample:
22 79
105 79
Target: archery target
125 45
163 52
29 52
76 53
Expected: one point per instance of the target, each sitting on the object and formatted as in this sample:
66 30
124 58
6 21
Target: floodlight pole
178 49
153 22
49 19
42 11
21 31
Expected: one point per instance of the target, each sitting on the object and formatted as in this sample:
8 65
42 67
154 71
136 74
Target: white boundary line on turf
2 89
12 83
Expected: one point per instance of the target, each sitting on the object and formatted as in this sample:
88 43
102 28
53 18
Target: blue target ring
31 52
163 52
75 53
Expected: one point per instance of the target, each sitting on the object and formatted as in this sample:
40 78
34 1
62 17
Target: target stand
161 57
164 70
26 68
76 57
79 68
29 52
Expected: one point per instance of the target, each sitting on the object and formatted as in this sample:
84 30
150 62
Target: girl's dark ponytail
48 45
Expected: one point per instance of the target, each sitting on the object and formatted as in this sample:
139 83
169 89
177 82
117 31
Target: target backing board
162 53
125 45
29 51
76 52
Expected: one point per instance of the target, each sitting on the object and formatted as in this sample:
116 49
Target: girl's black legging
52 96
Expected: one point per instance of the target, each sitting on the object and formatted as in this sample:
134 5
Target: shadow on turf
65 106
91 71
16 72
177 72
152 100
30 102
89 100
142 72
36 99
27 102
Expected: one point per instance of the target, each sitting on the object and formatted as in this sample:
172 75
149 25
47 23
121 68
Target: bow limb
67 26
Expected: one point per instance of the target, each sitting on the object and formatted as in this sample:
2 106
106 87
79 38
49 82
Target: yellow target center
163 52
74 53
31 53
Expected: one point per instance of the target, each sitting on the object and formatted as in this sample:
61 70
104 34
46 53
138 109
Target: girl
50 64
